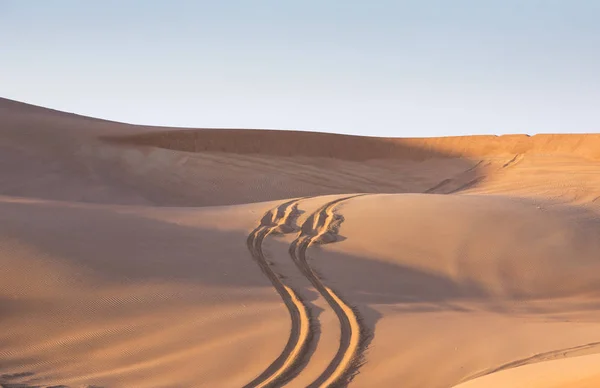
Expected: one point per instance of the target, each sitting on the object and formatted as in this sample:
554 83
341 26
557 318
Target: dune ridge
575 351
70 158
580 372
360 148
314 144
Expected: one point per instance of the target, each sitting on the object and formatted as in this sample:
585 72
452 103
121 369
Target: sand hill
137 256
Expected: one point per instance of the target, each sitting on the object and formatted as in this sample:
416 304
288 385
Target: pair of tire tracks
321 227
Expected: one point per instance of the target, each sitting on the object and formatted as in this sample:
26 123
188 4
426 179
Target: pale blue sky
391 68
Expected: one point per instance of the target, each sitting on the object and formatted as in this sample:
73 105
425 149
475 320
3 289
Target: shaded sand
137 256
133 297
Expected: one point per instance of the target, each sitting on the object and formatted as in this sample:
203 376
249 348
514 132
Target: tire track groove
289 363
321 228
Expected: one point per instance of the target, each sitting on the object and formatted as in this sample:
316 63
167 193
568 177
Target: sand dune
138 256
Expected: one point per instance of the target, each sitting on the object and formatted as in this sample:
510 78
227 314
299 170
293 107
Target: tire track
321 228
289 363
456 179
514 161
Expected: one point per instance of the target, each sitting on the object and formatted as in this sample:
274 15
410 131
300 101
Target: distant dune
360 148
137 256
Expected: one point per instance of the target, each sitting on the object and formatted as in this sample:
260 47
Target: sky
379 68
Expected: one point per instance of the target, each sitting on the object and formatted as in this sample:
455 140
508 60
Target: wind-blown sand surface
137 256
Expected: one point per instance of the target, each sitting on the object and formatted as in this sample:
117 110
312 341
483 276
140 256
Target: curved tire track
288 363
321 227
